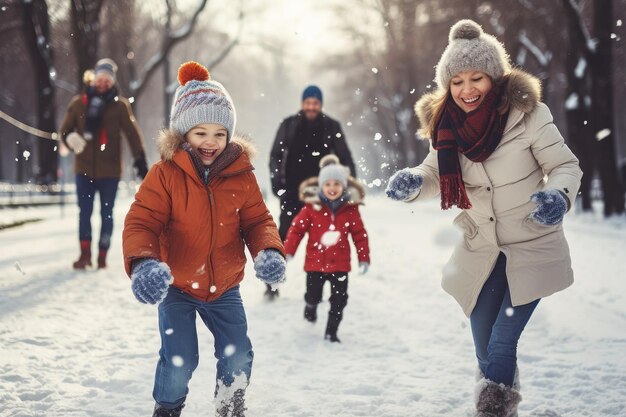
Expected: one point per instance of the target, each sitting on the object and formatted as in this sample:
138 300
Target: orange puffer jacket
199 230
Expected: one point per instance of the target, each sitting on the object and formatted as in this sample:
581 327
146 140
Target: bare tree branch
172 38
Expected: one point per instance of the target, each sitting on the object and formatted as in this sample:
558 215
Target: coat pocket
464 222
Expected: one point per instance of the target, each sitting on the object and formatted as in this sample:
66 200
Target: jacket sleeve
257 225
131 130
276 158
147 217
68 125
429 170
359 237
556 159
342 150
299 227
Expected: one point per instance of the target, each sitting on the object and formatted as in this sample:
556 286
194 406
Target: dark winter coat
323 136
318 220
199 230
103 160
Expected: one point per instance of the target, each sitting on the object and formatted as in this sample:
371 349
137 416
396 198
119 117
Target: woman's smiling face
209 140
469 88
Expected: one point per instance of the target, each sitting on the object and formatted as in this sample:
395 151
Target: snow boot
164 412
85 255
331 329
233 407
102 258
516 385
310 312
269 294
496 400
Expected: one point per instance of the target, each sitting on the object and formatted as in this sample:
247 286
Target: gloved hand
403 185
269 266
150 280
551 207
363 267
76 142
141 167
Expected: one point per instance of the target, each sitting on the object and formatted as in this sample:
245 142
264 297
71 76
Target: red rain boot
85 255
102 258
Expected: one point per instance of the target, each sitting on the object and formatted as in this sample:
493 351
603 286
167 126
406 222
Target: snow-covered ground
79 344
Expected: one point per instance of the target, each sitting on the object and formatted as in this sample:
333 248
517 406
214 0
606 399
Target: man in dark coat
302 140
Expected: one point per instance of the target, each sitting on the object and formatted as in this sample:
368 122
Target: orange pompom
192 71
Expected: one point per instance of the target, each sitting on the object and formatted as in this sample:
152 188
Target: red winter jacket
328 249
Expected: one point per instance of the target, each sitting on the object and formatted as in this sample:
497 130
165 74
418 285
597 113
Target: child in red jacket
330 214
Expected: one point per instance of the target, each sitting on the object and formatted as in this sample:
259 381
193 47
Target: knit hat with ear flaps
331 169
200 100
471 49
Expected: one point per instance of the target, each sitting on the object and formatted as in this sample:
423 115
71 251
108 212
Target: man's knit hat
471 49
106 66
199 100
312 91
331 169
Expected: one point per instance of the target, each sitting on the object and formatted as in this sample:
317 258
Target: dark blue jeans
224 317
497 326
86 189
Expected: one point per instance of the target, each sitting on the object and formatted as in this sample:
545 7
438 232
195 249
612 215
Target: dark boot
85 255
496 400
271 295
310 312
331 329
233 407
102 258
164 412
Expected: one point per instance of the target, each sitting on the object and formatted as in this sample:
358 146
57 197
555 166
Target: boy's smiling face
332 189
209 140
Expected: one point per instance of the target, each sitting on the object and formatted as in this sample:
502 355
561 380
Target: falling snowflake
603 134
195 285
330 238
212 289
229 350
281 192
169 331
510 311
177 361
375 70
378 136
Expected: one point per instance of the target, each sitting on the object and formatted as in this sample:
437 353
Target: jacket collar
235 159
523 92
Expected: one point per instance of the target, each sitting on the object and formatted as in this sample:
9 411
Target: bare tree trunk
85 17
37 34
602 101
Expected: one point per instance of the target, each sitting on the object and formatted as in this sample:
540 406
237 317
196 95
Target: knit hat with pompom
471 49
331 169
200 100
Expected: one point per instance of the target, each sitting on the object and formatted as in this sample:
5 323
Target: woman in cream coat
497 155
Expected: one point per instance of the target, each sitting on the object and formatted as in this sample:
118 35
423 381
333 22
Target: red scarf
475 134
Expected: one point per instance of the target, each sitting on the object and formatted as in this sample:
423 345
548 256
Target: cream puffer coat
531 156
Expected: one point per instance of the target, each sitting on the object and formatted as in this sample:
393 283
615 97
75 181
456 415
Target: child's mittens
363 267
404 185
551 207
269 266
150 280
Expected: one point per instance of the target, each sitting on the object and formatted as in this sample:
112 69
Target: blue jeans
224 317
497 326
86 188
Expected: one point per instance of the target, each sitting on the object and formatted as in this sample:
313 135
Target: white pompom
465 29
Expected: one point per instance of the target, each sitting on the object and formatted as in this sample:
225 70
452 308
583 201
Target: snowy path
78 344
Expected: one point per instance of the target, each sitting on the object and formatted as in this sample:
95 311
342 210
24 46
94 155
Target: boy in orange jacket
184 241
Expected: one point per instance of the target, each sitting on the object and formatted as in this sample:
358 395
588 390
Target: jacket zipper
211 244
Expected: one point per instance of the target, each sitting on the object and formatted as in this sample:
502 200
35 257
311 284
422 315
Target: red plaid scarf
475 134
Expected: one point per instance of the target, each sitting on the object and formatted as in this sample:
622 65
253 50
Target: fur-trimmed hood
170 141
309 191
523 92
